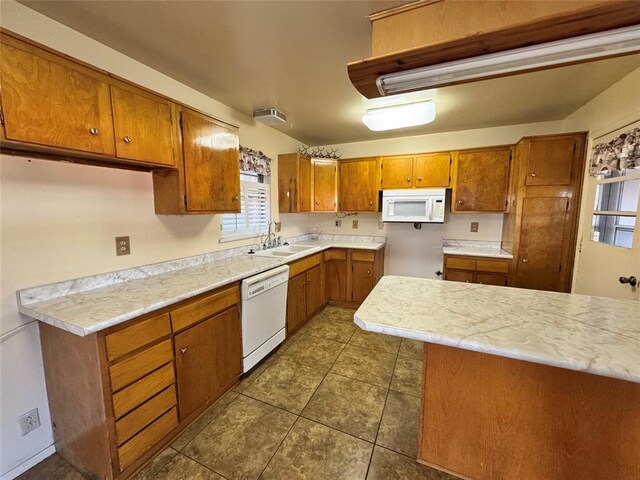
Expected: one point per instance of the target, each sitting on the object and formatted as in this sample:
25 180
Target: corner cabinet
483 270
351 274
207 177
359 185
481 180
135 386
294 183
325 185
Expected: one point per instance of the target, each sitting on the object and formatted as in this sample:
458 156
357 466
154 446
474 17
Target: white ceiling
292 55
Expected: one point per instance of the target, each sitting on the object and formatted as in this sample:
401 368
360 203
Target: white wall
418 253
59 220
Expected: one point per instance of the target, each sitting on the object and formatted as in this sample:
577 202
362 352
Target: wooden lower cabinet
296 302
314 290
305 295
351 274
135 386
483 270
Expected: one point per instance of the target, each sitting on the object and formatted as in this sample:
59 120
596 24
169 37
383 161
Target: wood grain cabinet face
432 170
336 274
397 172
481 180
362 280
359 185
325 185
294 183
50 103
482 270
296 302
549 161
314 290
143 126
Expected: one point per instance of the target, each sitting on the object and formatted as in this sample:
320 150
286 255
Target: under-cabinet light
577 49
400 116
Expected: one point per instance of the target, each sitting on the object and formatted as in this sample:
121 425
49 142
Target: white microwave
413 206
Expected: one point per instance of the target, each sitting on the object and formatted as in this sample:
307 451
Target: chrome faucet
268 243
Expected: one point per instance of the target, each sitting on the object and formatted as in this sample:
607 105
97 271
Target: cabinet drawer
491 279
146 413
362 256
138 335
496 266
147 438
304 264
137 366
459 276
207 307
129 398
460 263
334 254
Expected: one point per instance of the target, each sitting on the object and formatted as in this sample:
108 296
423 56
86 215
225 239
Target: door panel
296 302
325 185
142 127
549 161
304 184
212 169
432 170
362 280
336 284
481 181
359 185
314 289
49 103
542 238
397 172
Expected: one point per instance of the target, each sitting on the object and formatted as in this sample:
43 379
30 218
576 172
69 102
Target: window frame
248 180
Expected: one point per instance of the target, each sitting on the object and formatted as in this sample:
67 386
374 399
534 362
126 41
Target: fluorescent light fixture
400 116
587 47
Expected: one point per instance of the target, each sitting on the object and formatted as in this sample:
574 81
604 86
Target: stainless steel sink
286 251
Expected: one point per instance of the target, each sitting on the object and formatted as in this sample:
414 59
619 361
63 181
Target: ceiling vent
270 116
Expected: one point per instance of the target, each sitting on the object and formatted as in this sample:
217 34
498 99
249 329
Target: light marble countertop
578 332
473 248
87 305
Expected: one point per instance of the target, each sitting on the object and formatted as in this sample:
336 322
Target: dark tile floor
333 402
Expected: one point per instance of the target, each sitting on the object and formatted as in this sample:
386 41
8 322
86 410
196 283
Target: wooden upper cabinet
49 101
325 185
396 172
480 180
143 128
549 160
359 185
211 164
294 183
432 170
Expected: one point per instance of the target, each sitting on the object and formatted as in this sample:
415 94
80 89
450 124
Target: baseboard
31 462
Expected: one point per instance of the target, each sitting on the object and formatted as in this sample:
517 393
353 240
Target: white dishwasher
264 310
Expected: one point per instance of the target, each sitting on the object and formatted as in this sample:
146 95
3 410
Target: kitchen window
253 219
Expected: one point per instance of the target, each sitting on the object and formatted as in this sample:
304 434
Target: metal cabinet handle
368 272
419 179
126 139
534 175
525 260
183 350
408 179
288 194
317 203
370 203
304 283
93 131
236 197
460 202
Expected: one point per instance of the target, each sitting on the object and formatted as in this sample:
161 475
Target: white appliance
264 309
414 206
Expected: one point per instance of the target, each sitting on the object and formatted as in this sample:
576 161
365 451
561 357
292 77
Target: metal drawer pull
127 139
183 350
93 131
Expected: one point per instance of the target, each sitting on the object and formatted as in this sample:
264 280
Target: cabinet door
549 161
208 358
459 275
314 290
361 280
396 172
432 170
54 104
211 164
359 185
542 241
481 180
325 185
491 279
142 126
304 183
336 279
296 302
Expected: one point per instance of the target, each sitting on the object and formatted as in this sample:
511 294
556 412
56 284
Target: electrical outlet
338 223
380 225
278 226
123 246
474 226
29 421
354 224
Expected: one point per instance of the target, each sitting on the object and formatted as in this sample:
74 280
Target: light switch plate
354 224
338 223
474 226
123 246
380 225
278 226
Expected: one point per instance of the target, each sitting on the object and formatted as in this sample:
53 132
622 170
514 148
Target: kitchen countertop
87 305
578 332
473 248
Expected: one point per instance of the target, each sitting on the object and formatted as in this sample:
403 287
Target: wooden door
542 242
359 185
336 276
433 170
142 126
325 185
304 183
296 302
53 103
314 290
396 172
211 164
549 160
480 180
208 358
361 280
